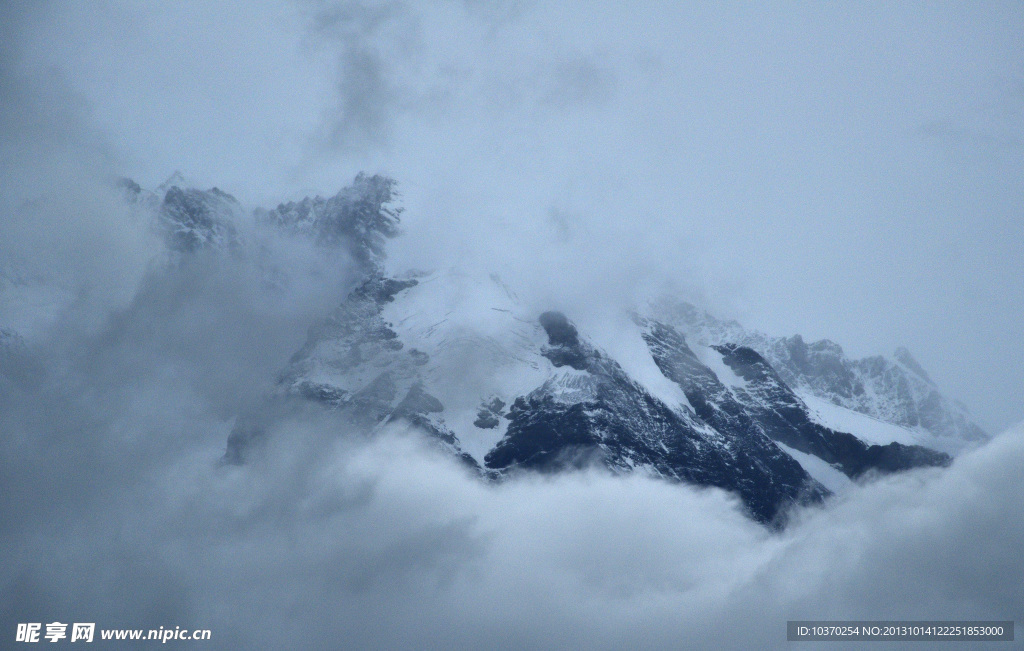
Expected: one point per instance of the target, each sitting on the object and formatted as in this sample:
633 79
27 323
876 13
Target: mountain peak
904 357
175 179
445 352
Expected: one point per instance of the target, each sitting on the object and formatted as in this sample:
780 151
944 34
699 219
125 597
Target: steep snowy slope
897 392
460 342
734 389
874 430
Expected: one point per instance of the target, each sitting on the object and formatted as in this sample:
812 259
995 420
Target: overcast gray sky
843 170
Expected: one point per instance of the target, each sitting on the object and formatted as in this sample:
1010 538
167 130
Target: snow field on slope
874 431
479 344
713 360
821 470
623 341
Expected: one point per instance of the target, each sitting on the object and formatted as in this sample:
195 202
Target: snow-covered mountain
675 393
882 399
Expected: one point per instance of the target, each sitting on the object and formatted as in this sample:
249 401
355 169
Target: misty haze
503 324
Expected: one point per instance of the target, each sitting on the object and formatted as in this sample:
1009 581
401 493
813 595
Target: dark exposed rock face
489 414
618 424
564 347
194 219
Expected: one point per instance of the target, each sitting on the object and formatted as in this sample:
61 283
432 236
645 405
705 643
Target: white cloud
326 543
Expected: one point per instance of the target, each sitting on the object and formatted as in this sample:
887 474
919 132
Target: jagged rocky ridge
454 355
896 391
764 404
